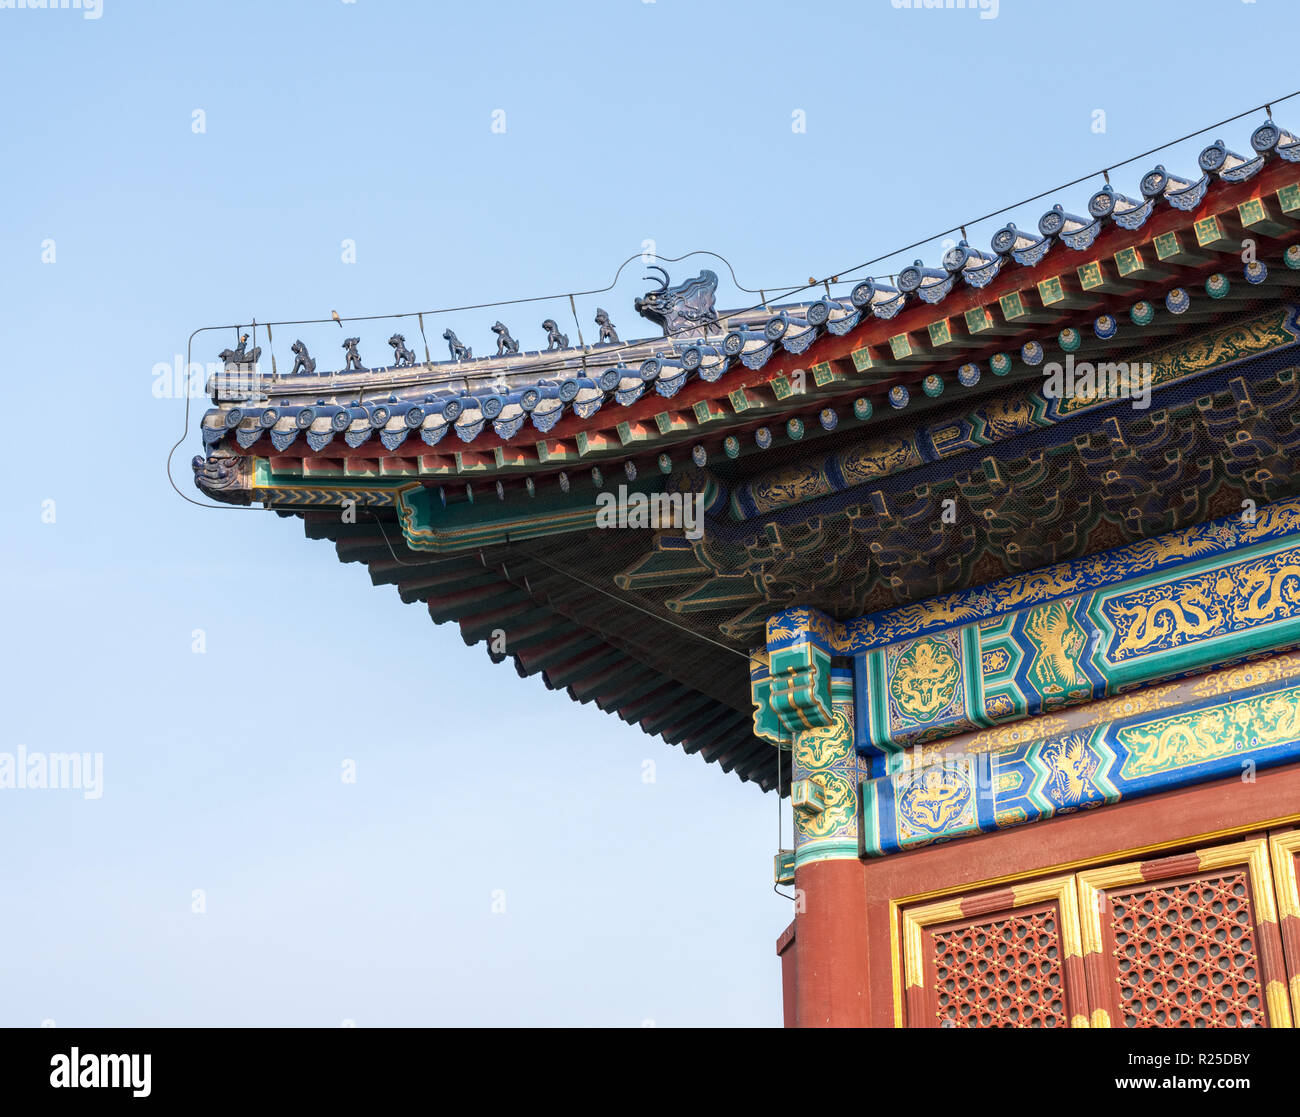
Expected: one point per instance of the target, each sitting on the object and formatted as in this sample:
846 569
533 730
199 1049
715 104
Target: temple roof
488 401
826 434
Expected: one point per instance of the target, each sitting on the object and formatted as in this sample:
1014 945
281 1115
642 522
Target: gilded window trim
1284 849
1059 889
1253 855
899 903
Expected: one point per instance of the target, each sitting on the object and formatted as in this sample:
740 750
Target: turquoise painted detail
1219 737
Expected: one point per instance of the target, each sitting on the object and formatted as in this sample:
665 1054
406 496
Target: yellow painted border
1284 849
1251 854
897 904
915 920
1071 940
1190 842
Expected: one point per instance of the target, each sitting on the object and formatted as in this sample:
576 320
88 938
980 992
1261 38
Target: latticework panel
1185 954
1187 941
1190 940
1003 972
1009 958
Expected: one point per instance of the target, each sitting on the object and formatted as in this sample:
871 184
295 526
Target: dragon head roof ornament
684 309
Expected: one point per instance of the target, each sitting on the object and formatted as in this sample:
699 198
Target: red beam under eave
696 724
562 674
542 656
612 697
634 711
708 740
828 347
589 687
478 626
450 606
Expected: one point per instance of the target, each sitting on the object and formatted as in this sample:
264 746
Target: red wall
836 958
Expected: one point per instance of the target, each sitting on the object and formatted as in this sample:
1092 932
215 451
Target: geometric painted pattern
927 796
1007 957
1222 536
1077 649
1001 972
1185 954
1188 940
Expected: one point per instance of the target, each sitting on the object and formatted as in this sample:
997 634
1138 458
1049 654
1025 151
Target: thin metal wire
780 829
521 553
1267 106
582 345
427 359
1075 182
960 227
632 604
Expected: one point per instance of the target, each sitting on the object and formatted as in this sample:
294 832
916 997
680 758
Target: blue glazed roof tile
543 386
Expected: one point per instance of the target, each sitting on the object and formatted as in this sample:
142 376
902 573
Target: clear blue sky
371 121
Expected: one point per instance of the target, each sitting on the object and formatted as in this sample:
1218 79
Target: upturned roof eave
491 454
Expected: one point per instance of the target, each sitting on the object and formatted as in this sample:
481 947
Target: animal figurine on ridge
354 358
303 360
402 356
240 355
459 352
684 309
506 345
608 335
554 339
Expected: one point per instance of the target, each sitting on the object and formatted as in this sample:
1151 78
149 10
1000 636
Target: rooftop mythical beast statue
241 355
683 309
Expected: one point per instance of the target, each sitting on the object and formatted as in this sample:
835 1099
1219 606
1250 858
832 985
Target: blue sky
625 901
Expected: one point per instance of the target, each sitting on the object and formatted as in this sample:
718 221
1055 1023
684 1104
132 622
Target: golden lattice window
1191 940
1002 972
1001 959
1185 941
1185 954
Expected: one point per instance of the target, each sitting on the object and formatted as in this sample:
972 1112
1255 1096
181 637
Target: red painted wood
786 950
1179 865
1174 816
1289 930
831 980
989 902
